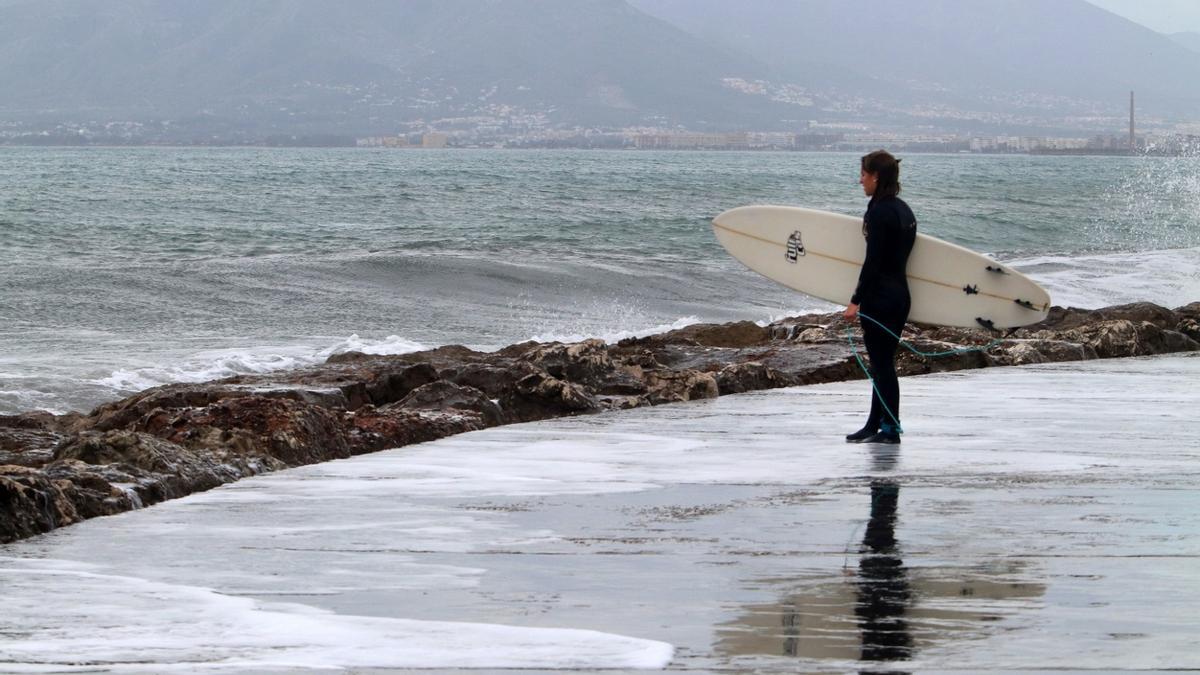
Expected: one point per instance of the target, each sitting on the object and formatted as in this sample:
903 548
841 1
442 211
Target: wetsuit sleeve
877 225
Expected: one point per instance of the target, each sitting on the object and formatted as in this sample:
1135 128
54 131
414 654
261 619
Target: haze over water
127 268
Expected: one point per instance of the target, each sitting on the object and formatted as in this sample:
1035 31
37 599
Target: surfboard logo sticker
795 247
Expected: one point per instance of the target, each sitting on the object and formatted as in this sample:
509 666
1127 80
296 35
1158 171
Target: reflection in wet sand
886 611
882 587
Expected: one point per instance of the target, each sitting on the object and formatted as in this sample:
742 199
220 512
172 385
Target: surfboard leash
909 347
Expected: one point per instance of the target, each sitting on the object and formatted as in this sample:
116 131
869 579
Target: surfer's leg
875 340
881 349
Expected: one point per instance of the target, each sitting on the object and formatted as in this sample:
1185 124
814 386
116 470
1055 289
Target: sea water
125 268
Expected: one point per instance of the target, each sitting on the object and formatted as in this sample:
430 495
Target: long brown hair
886 170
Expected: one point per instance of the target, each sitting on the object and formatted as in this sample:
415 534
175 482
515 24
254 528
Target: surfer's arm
873 260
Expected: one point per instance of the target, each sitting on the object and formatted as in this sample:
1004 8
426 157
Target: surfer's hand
851 312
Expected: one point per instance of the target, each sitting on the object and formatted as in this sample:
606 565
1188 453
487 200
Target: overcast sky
1164 16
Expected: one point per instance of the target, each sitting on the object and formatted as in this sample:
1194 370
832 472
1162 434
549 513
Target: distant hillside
263 67
1191 40
988 55
363 64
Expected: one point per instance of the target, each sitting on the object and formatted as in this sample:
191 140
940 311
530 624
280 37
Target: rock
621 402
122 447
737 334
541 396
1190 328
678 386
442 395
589 363
493 379
1189 311
31 503
372 429
174 440
27 447
586 362
1025 352
751 376
391 386
293 432
1122 337
94 493
156 469
347 357
1067 319
122 414
1139 312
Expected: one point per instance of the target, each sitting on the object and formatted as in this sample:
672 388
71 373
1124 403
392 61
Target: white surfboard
821 253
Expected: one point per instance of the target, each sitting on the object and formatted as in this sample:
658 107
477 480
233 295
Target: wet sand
1035 518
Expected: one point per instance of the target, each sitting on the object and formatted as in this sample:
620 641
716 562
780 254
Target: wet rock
541 396
174 440
737 334
371 429
122 414
122 447
96 491
1189 311
621 402
678 386
1138 312
295 433
1025 352
1110 339
751 376
29 439
149 468
27 447
442 395
493 379
1189 327
1061 319
392 386
31 503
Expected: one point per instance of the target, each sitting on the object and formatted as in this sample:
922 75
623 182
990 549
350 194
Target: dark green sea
122 269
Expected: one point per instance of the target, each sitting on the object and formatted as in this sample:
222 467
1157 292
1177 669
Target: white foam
159 627
613 335
220 363
1169 278
392 344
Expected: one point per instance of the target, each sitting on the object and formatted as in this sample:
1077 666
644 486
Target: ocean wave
615 335
218 364
1170 278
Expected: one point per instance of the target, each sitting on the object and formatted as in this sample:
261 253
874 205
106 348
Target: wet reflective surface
882 610
1040 518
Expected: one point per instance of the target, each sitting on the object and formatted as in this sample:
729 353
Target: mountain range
1189 39
257 67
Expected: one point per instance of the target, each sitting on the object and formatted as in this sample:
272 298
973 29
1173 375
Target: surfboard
821 253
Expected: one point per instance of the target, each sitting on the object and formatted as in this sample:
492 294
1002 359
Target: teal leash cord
909 347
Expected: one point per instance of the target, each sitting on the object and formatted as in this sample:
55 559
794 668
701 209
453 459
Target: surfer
890 229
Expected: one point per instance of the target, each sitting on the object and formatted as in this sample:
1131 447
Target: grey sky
1164 16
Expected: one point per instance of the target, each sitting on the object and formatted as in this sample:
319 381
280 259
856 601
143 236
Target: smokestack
1132 138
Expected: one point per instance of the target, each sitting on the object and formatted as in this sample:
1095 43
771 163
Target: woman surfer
890 229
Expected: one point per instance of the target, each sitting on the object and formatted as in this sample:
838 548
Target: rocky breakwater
177 439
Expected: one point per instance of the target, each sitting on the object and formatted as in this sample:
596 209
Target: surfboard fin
997 269
986 323
971 290
1025 303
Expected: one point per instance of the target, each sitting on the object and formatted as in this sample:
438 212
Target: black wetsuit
882 294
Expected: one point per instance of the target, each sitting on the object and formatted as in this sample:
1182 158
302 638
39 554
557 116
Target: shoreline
175 440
